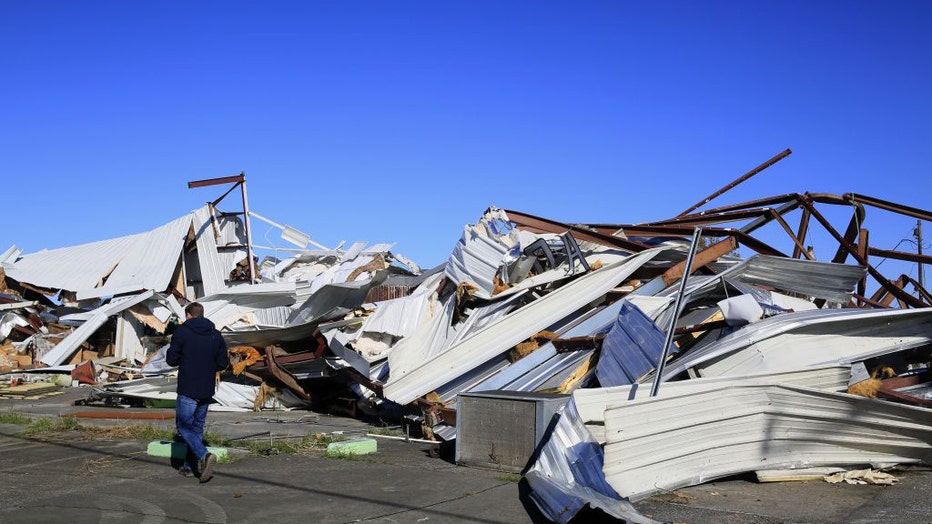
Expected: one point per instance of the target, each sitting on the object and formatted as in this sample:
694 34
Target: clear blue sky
403 121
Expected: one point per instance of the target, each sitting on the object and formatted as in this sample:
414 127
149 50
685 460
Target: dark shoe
207 467
185 472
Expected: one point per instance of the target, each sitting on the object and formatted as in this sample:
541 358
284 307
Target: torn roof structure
524 304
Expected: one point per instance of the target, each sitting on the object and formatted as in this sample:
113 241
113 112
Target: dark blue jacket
199 351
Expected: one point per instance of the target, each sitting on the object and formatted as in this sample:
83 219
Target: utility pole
918 233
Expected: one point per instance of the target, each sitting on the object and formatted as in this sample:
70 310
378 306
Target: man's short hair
195 309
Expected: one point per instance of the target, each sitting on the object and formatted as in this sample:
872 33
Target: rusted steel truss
735 224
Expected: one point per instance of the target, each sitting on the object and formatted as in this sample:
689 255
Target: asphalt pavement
70 479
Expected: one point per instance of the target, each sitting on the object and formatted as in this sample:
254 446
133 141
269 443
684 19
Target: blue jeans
190 415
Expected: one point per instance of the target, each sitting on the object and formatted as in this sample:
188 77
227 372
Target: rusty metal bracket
543 225
283 375
702 258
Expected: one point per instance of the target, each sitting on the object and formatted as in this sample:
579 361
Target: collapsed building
643 356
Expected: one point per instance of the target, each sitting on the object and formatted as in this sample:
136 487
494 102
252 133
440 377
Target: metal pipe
737 181
252 266
676 312
279 226
405 438
919 244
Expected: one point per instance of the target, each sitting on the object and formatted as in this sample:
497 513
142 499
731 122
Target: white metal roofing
64 349
508 331
134 262
10 255
250 304
214 265
811 278
72 268
480 251
157 388
826 280
402 316
529 373
8 321
439 334
664 443
809 338
148 263
592 402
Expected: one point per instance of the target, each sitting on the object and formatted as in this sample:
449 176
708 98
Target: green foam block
359 446
167 448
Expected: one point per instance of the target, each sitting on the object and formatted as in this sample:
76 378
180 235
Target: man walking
199 351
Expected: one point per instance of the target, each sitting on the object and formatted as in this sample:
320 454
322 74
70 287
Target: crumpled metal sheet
567 475
631 348
481 250
809 338
665 443
508 331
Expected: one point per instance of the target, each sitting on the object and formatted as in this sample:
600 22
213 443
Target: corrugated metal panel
262 304
591 402
826 280
71 268
215 266
272 316
64 349
544 365
567 475
8 321
631 348
380 249
505 333
403 316
479 253
560 273
529 372
10 255
649 305
266 294
270 336
352 252
141 261
326 302
809 338
222 313
127 345
149 263
665 443
157 388
833 282
239 397
471 380
302 291
337 342
339 273
438 335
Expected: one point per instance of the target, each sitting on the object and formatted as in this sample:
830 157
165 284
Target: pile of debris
679 357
